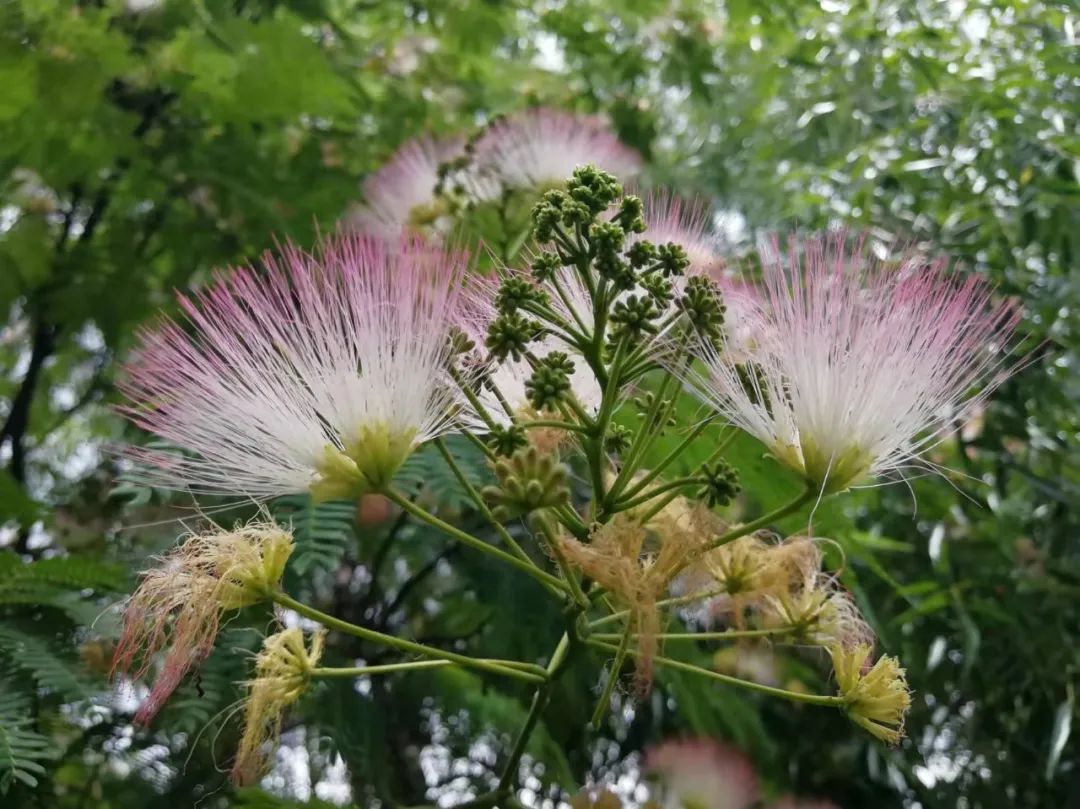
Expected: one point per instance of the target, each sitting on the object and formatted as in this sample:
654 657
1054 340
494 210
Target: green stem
412 647
678 483
613 675
678 665
677 601
640 485
539 702
762 521
467 539
363 671
568 572
558 425
733 634
657 507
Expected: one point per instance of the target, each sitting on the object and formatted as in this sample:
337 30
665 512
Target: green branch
412 647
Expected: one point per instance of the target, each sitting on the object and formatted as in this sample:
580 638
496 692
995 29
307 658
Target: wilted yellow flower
820 614
282 670
617 558
877 699
180 603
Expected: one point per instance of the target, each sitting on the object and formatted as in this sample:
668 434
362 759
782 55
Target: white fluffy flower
323 372
859 365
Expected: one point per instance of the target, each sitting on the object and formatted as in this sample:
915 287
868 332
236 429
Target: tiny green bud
633 318
550 381
509 336
641 253
721 483
631 216
515 292
703 306
460 342
545 265
507 440
618 438
672 258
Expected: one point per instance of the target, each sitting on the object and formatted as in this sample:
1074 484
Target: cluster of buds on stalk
566 367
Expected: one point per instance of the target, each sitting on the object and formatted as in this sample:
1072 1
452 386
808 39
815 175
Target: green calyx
366 464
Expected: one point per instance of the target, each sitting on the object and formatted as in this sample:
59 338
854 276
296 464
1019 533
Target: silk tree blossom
401 196
541 147
861 364
701 774
321 373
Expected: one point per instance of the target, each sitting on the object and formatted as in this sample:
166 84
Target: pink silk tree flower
323 372
541 148
400 198
701 774
860 364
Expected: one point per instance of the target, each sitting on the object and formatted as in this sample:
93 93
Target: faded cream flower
617 558
179 604
876 699
282 671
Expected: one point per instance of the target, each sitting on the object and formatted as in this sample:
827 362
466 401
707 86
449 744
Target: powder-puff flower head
542 147
322 373
401 196
701 774
860 364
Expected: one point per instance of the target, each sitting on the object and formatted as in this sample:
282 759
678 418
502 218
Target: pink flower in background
403 190
860 364
701 774
542 147
324 369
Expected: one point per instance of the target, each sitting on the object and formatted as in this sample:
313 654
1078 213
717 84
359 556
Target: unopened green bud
703 306
515 292
550 381
672 258
641 253
721 483
545 266
631 215
527 481
633 317
618 438
509 336
506 440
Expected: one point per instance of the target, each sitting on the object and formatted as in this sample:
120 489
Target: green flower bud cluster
721 483
703 306
506 440
516 292
509 335
550 381
528 480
